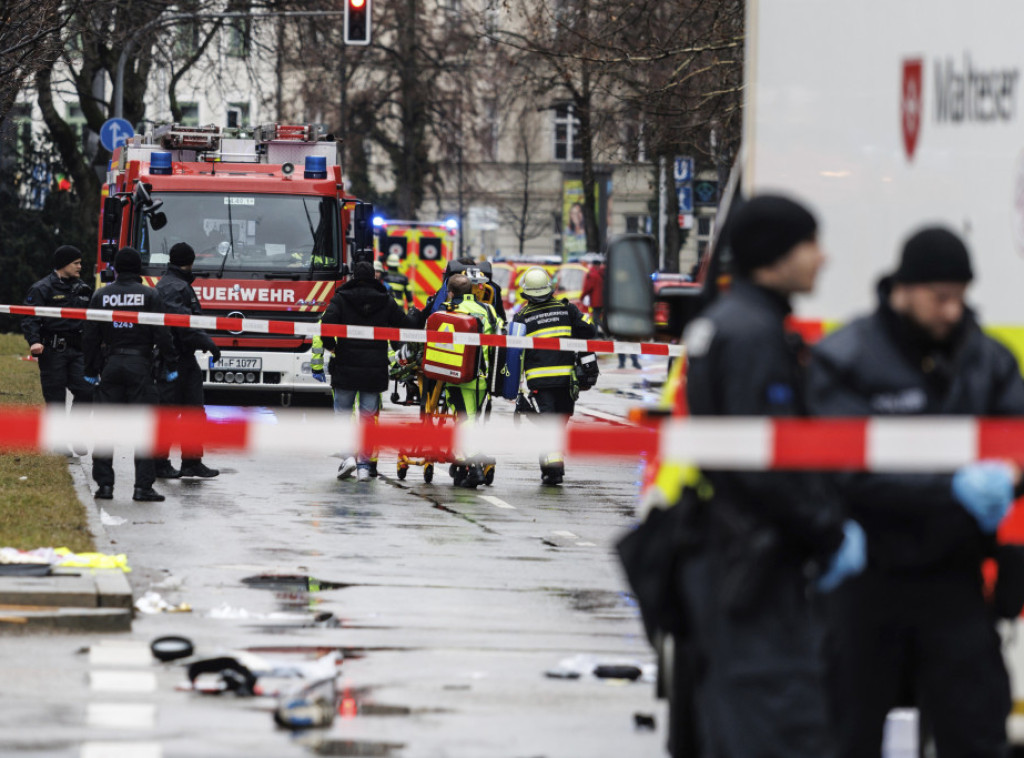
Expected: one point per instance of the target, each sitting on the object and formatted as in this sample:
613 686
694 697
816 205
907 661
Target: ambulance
424 247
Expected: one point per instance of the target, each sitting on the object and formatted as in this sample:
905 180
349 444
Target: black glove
215 353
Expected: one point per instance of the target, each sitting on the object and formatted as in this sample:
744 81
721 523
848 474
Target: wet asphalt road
454 603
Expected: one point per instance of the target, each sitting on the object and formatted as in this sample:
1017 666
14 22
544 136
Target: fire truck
273 231
425 248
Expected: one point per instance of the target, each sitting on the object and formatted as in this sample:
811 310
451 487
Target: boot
105 492
474 476
552 475
197 469
347 467
164 470
147 494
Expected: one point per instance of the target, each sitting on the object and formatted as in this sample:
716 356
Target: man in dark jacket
915 626
360 367
175 289
57 342
760 686
119 363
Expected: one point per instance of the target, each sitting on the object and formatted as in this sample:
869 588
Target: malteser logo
911 108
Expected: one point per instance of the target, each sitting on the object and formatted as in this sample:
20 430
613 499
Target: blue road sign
114 132
683 171
685 195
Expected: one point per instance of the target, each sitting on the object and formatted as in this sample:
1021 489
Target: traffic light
357 22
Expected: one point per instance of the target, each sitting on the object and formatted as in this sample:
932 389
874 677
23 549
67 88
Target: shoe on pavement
474 477
198 470
636 363
373 469
147 494
551 479
347 467
164 470
105 492
363 474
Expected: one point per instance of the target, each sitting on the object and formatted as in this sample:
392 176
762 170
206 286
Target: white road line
122 681
567 535
121 715
121 750
586 544
497 502
120 653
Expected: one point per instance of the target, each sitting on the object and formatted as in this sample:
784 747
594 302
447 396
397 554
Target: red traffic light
357 22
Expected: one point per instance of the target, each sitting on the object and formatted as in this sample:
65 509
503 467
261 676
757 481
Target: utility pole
662 203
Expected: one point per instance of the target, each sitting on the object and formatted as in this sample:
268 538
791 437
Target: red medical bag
455 364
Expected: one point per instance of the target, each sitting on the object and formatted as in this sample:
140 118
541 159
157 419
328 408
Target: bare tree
28 37
520 209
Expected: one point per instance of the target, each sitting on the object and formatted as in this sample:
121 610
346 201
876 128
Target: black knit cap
182 254
128 261
766 228
363 270
64 255
934 254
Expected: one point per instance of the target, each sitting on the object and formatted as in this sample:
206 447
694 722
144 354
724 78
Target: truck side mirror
107 252
629 294
362 227
112 208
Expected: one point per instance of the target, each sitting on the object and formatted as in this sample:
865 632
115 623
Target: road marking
567 535
497 502
120 653
121 715
121 750
586 544
122 681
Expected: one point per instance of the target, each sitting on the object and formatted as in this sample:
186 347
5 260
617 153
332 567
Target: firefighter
467 399
398 282
916 626
57 342
175 289
550 376
760 684
119 362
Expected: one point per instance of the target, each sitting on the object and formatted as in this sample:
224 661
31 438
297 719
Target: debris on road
171 648
151 602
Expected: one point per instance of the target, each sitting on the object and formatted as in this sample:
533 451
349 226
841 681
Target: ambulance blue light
160 162
378 221
452 223
316 167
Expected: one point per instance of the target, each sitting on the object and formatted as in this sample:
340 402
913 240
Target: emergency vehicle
273 232
425 248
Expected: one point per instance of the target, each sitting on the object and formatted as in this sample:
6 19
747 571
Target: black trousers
185 391
927 640
758 674
126 380
556 400
63 370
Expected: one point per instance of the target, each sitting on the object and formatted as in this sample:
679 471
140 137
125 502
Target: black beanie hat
363 270
128 261
182 254
64 255
934 254
766 228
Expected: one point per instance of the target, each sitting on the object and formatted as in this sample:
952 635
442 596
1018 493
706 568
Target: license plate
238 363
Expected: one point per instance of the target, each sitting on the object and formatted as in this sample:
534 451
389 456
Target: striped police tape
925 444
310 329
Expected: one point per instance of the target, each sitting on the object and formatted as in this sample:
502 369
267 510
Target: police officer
398 282
468 399
57 342
760 681
175 290
549 373
915 627
119 362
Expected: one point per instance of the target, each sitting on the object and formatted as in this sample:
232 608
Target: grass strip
38 503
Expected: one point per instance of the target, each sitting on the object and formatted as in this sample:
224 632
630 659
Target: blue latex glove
849 559
319 376
171 376
985 489
93 380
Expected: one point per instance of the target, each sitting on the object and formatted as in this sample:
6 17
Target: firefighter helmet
536 285
378 267
394 260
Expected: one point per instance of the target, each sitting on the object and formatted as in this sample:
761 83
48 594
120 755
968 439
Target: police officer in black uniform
549 373
915 628
175 290
57 342
119 361
771 536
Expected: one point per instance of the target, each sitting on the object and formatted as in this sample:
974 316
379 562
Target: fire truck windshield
245 232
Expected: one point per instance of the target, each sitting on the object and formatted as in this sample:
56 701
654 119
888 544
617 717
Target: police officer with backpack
551 375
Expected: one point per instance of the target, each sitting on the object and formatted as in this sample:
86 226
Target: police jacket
399 286
362 365
175 289
103 340
742 362
552 318
882 364
55 292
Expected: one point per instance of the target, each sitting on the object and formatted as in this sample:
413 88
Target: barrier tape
925 444
310 329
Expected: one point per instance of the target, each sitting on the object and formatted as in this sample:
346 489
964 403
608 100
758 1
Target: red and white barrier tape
310 329
906 444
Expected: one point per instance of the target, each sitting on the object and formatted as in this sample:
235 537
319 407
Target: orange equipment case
451 363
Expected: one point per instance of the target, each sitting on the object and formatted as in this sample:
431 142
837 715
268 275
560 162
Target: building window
189 114
705 232
238 115
567 140
638 224
76 120
239 38
490 130
633 141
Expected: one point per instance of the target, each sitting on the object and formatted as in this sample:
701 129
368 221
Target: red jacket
593 285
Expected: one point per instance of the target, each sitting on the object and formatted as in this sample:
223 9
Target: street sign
705 192
683 171
685 196
114 132
685 220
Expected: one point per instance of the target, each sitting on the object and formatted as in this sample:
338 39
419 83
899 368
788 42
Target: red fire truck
425 247
273 231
